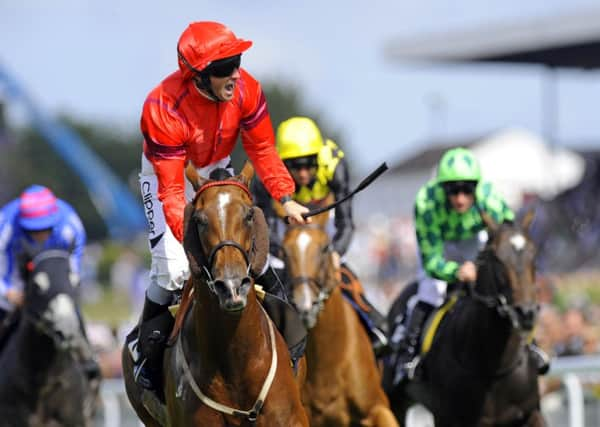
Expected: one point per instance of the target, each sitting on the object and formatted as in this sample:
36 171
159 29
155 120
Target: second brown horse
343 383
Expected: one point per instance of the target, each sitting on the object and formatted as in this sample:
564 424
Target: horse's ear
527 219
489 222
191 241
247 173
192 175
260 237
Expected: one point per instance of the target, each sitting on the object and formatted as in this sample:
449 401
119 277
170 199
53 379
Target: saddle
353 292
434 321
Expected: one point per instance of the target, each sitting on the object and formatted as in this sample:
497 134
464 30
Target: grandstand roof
567 40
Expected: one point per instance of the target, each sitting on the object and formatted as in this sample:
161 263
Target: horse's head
225 237
508 271
51 294
309 267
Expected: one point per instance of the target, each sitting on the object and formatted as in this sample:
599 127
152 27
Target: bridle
210 281
322 293
497 300
37 321
207 268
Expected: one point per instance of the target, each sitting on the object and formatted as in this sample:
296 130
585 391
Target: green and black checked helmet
458 164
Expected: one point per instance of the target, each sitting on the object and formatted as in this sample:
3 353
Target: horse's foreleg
380 416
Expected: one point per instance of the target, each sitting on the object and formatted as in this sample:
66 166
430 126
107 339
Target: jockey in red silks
196 115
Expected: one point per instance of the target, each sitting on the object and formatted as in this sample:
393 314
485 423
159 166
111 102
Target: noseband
210 281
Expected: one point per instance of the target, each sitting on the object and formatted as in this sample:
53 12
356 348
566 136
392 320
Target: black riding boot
155 326
271 283
408 347
541 358
377 330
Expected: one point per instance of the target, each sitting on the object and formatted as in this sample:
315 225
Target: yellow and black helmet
298 137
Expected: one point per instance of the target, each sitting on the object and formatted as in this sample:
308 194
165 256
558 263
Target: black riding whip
363 184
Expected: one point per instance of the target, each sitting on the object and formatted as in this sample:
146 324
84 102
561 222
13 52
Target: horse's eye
249 216
201 219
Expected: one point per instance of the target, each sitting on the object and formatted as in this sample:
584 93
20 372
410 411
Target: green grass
112 308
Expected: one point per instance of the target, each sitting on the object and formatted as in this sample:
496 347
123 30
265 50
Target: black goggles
456 187
309 162
224 67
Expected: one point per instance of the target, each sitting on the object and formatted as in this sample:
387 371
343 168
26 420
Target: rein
500 303
251 414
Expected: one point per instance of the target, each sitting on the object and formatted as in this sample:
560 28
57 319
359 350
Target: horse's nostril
219 285
246 282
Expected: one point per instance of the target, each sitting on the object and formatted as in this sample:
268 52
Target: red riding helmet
204 42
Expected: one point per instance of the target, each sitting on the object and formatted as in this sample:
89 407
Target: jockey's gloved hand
294 211
15 297
467 272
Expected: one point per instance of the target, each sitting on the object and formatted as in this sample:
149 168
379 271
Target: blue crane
121 212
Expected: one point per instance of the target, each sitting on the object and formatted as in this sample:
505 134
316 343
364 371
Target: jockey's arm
344 224
10 282
430 241
79 241
259 143
263 200
494 204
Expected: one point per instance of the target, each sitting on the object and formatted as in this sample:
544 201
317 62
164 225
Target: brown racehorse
342 386
228 366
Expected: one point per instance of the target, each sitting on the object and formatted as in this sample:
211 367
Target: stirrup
380 336
411 367
139 365
379 342
406 371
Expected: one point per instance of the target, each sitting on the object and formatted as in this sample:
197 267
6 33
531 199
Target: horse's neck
481 337
221 339
36 350
330 331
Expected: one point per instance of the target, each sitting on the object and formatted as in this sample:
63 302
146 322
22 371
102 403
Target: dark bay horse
343 384
42 382
228 365
479 370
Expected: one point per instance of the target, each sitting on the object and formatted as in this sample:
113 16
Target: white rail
573 371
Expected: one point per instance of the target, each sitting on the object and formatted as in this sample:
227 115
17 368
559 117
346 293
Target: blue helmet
38 209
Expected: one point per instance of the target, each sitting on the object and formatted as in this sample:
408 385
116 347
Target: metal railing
574 372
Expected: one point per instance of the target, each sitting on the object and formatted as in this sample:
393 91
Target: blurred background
395 81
